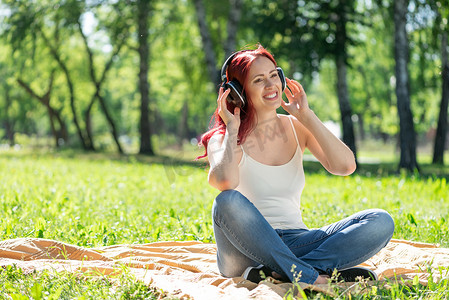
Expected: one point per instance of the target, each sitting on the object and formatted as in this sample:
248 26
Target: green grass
48 285
94 200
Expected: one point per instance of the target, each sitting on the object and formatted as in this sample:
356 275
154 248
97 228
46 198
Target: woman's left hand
333 154
297 99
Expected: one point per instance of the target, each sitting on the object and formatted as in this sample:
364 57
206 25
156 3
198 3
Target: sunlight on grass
94 200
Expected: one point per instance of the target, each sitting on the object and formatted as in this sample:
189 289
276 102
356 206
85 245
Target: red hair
238 69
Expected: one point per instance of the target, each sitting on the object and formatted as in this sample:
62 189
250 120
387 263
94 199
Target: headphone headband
225 65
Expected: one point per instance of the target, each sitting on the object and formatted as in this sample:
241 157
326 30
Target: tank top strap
294 131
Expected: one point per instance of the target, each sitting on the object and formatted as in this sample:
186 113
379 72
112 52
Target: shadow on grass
391 169
183 159
385 169
173 158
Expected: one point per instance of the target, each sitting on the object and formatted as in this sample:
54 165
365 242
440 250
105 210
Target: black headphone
237 95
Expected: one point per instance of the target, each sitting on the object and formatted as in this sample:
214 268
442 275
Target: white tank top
275 190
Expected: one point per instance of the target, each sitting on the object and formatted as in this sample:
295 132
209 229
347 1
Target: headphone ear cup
236 96
282 77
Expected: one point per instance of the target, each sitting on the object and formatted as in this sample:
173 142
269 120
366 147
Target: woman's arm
332 153
223 151
224 154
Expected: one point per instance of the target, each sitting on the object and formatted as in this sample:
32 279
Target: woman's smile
271 96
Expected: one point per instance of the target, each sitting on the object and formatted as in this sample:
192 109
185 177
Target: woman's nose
270 82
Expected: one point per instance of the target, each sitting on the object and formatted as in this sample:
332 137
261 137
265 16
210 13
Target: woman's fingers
284 105
296 90
291 94
288 93
296 96
237 112
222 96
223 110
220 92
294 86
301 89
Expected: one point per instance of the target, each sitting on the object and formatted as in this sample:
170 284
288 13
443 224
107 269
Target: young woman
255 158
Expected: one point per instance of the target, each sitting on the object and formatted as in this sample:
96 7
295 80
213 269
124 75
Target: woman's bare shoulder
290 118
301 131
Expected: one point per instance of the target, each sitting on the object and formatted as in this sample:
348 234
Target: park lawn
98 200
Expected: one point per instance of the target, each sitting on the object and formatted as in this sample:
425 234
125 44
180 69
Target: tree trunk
342 85
440 138
53 128
97 83
87 145
345 106
407 135
183 130
146 146
361 123
88 121
63 132
235 13
111 122
9 126
58 134
211 60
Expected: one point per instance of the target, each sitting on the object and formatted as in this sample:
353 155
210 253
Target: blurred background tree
138 76
439 40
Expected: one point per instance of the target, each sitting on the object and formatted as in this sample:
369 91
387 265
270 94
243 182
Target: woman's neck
262 119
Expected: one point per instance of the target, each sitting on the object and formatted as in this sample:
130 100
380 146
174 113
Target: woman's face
263 85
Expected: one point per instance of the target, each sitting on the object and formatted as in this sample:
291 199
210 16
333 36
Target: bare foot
322 279
276 275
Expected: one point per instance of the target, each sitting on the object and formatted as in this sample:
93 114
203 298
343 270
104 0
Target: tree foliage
87 49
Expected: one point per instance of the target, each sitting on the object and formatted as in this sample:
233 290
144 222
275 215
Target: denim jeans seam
366 256
254 257
325 237
353 260
314 241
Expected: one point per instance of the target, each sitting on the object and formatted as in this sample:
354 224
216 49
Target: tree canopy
123 75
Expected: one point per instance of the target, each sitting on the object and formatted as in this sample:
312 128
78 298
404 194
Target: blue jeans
244 238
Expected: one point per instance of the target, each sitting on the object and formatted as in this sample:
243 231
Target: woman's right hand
232 120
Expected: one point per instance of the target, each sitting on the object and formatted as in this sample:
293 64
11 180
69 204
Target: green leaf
416 280
412 219
19 297
36 291
56 295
